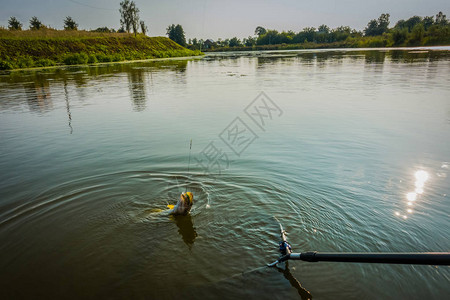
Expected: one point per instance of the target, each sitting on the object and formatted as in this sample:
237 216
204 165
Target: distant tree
411 22
383 23
201 44
377 27
135 24
103 29
35 24
340 33
179 32
356 33
121 30
250 41
290 33
301 37
193 43
260 31
427 22
309 34
372 28
129 16
271 37
400 24
144 28
441 19
439 32
171 32
323 29
176 34
285 37
322 35
70 24
220 43
399 35
125 21
14 24
235 42
417 34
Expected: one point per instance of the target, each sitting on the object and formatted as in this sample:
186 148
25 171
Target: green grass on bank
49 47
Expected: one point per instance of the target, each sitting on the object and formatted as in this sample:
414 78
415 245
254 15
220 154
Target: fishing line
178 184
243 274
189 164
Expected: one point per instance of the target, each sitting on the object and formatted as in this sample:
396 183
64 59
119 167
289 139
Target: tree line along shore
415 31
42 46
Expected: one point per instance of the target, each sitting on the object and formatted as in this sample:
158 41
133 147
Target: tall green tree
428 22
340 33
235 42
417 34
372 28
377 27
260 31
441 19
176 34
135 25
383 23
70 24
250 41
323 29
144 27
309 33
413 21
14 24
35 24
322 35
399 35
125 21
400 24
171 32
129 16
271 37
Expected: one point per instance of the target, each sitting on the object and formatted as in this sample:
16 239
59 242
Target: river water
348 149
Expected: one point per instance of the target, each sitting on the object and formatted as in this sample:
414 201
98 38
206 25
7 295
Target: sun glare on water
411 196
421 177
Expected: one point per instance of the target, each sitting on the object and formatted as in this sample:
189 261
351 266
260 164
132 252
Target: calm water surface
350 150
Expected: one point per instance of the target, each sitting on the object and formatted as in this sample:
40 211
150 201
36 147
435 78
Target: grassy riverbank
49 47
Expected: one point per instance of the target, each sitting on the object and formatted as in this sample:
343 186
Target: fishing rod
189 164
417 258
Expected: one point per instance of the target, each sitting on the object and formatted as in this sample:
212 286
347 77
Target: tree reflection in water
137 84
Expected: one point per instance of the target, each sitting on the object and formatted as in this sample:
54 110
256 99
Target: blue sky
214 19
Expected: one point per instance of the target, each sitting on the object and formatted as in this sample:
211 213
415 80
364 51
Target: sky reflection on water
87 152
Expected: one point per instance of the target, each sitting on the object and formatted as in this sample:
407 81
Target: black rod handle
425 258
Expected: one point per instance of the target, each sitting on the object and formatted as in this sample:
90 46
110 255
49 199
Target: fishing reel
285 248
